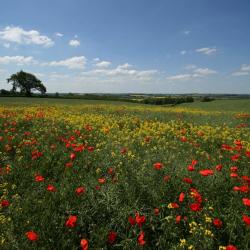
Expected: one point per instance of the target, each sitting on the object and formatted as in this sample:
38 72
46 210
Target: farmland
81 174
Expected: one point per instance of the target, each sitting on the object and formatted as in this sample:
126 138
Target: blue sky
161 46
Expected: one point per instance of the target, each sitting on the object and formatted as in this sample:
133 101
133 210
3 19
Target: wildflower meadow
102 175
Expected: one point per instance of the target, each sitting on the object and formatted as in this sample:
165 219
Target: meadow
81 174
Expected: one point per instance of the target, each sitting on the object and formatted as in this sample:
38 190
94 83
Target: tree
26 82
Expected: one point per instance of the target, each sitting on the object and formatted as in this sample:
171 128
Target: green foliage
26 82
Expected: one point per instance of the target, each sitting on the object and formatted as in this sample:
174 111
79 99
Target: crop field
84 175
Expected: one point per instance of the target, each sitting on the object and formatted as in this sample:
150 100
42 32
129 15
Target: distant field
118 175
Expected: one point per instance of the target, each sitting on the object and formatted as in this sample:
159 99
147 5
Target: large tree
26 82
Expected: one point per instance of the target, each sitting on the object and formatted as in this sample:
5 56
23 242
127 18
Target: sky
128 46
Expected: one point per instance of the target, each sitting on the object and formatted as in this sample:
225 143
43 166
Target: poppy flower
71 222
235 157
173 205
243 189
177 219
217 223
234 169
5 203
39 178
156 211
110 171
51 188
90 149
101 180
112 237
246 219
233 175
190 168
69 164
195 207
72 156
80 190
188 180
140 220
246 202
206 172
194 162
231 247
181 197
32 236
140 239
218 167
131 220
158 165
84 244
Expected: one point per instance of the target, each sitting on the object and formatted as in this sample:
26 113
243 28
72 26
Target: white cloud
183 52
74 43
59 34
97 59
204 71
195 73
207 51
19 60
77 62
12 34
120 73
244 71
56 76
103 64
180 77
124 66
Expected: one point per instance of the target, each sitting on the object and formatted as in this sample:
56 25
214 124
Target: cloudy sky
149 46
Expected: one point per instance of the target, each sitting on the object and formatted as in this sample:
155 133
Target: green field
81 174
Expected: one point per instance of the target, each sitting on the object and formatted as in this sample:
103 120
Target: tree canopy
26 82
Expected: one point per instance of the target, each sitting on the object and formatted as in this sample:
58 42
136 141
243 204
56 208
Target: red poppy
183 139
80 190
194 162
188 180
246 219
5 203
72 156
158 165
140 220
69 164
90 149
39 178
206 172
131 220
217 223
51 188
235 157
234 169
177 219
156 211
31 235
84 244
110 171
246 202
112 237
233 175
231 247
140 239
71 222
190 168
243 189
195 207
174 205
181 197
101 180
219 167
247 153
